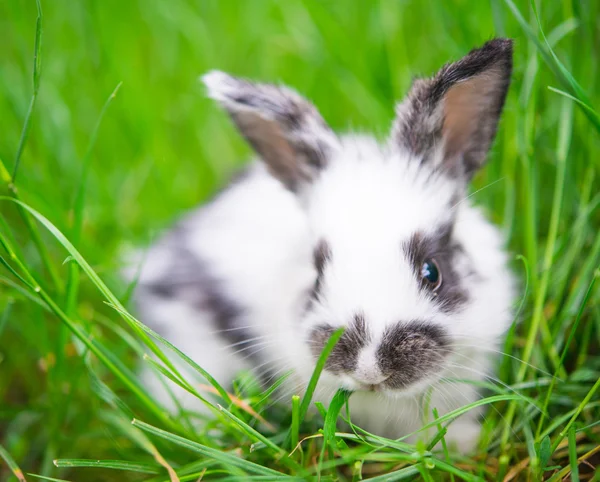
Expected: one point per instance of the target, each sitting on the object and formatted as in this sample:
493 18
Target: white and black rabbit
328 230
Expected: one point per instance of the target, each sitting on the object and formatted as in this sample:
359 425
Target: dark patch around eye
450 295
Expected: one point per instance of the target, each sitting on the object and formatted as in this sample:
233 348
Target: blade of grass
37 72
563 418
573 462
180 382
451 469
23 292
11 179
264 397
554 63
295 428
565 75
148 331
262 478
424 471
125 465
15 273
337 402
282 456
33 231
525 140
531 449
577 236
78 205
79 199
110 361
142 441
242 405
583 278
571 97
184 472
404 447
538 322
106 394
223 457
563 356
12 465
6 314
312 384
50 479
442 430
578 411
401 474
333 411
112 299
559 476
195 477
251 432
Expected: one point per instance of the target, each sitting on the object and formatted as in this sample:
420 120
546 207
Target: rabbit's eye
431 274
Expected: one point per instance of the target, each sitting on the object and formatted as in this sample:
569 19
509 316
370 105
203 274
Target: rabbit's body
344 231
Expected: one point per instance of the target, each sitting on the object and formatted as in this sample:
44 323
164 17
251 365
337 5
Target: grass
107 137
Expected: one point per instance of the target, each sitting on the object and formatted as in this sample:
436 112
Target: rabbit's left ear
451 119
285 130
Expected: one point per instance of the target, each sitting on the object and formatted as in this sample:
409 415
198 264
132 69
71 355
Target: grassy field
120 140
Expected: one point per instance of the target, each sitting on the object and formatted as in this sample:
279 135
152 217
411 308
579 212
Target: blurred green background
162 148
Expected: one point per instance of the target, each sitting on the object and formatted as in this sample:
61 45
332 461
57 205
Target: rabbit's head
401 259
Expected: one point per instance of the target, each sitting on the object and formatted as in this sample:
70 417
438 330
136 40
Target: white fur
258 237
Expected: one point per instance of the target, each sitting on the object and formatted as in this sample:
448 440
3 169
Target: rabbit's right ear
451 119
286 130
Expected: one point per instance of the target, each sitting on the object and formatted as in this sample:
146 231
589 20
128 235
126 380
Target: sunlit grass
87 167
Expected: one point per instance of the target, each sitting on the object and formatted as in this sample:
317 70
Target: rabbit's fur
326 231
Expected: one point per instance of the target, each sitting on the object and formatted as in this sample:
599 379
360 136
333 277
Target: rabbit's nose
371 383
367 371
369 377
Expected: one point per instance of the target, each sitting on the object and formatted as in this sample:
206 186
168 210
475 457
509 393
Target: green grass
106 137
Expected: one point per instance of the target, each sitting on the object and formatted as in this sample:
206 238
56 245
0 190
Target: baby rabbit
328 231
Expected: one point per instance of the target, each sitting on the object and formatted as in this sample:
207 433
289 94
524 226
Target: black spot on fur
450 295
190 281
321 256
409 352
344 356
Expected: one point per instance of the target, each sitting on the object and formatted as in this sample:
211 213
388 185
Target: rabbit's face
388 268
388 263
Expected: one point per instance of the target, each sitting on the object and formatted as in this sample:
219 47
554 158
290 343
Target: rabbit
324 231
